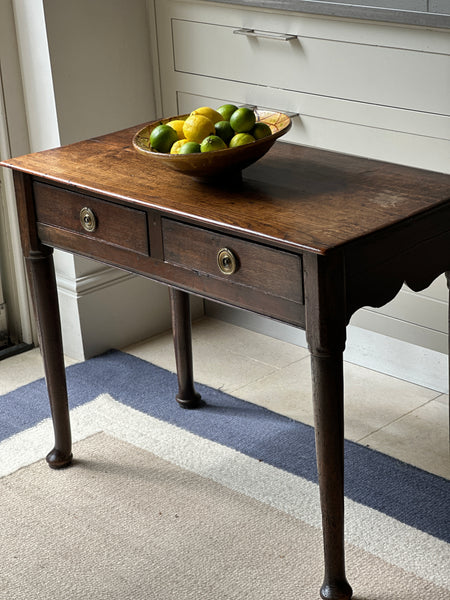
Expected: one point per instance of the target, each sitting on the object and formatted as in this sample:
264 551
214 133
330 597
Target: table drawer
106 222
270 277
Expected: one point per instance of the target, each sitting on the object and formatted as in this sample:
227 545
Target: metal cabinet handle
88 219
227 261
284 37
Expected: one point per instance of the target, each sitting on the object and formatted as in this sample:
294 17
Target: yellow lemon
197 127
177 124
176 147
212 114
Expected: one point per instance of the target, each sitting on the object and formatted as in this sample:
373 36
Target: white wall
87 70
101 65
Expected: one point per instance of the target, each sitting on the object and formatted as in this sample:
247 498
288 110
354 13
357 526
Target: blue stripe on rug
404 492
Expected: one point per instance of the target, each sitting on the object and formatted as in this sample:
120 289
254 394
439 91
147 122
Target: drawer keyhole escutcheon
88 219
227 261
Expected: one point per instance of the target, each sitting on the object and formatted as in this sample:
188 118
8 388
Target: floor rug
217 503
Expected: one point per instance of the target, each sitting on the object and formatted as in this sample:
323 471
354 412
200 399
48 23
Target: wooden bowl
220 162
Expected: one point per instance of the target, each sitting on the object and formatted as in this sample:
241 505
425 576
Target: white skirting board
369 349
105 308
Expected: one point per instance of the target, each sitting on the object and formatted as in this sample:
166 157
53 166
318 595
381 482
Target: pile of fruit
207 130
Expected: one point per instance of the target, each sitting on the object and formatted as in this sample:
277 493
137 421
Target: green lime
224 131
261 130
240 139
212 143
189 148
226 110
162 138
243 120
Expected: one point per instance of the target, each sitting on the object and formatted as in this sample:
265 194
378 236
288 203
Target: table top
295 197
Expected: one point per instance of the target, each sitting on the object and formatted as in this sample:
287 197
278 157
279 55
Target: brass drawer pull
227 261
88 219
284 37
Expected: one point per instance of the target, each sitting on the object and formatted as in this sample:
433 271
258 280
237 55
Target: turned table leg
187 397
43 285
327 376
326 332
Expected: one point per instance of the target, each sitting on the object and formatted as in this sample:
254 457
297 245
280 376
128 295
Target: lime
212 143
197 127
177 124
261 130
243 120
224 131
176 147
226 110
162 138
189 148
240 139
208 112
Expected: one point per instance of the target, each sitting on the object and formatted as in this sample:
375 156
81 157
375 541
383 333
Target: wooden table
307 237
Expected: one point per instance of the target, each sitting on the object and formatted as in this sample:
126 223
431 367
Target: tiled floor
393 416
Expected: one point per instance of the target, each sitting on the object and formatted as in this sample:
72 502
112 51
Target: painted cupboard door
364 88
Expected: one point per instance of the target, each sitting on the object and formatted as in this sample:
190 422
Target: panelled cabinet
360 87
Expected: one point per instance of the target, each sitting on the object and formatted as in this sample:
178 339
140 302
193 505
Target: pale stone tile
214 364
373 400
443 399
245 342
23 368
420 438
286 391
158 350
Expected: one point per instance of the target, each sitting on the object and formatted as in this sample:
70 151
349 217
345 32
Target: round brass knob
87 219
227 261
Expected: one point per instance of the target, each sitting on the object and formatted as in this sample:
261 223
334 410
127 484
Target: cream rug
125 524
215 504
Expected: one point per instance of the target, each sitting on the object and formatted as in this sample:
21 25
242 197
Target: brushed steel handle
283 37
227 261
88 219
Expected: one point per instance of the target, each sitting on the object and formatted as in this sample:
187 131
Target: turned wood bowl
218 163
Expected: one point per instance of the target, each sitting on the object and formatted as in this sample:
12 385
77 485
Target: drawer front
105 222
312 63
264 279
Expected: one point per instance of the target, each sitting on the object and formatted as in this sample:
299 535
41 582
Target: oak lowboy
305 237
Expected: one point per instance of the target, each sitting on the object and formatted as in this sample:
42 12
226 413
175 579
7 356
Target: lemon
243 120
197 127
226 110
212 143
224 131
177 124
190 148
208 112
261 130
176 147
240 139
162 137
